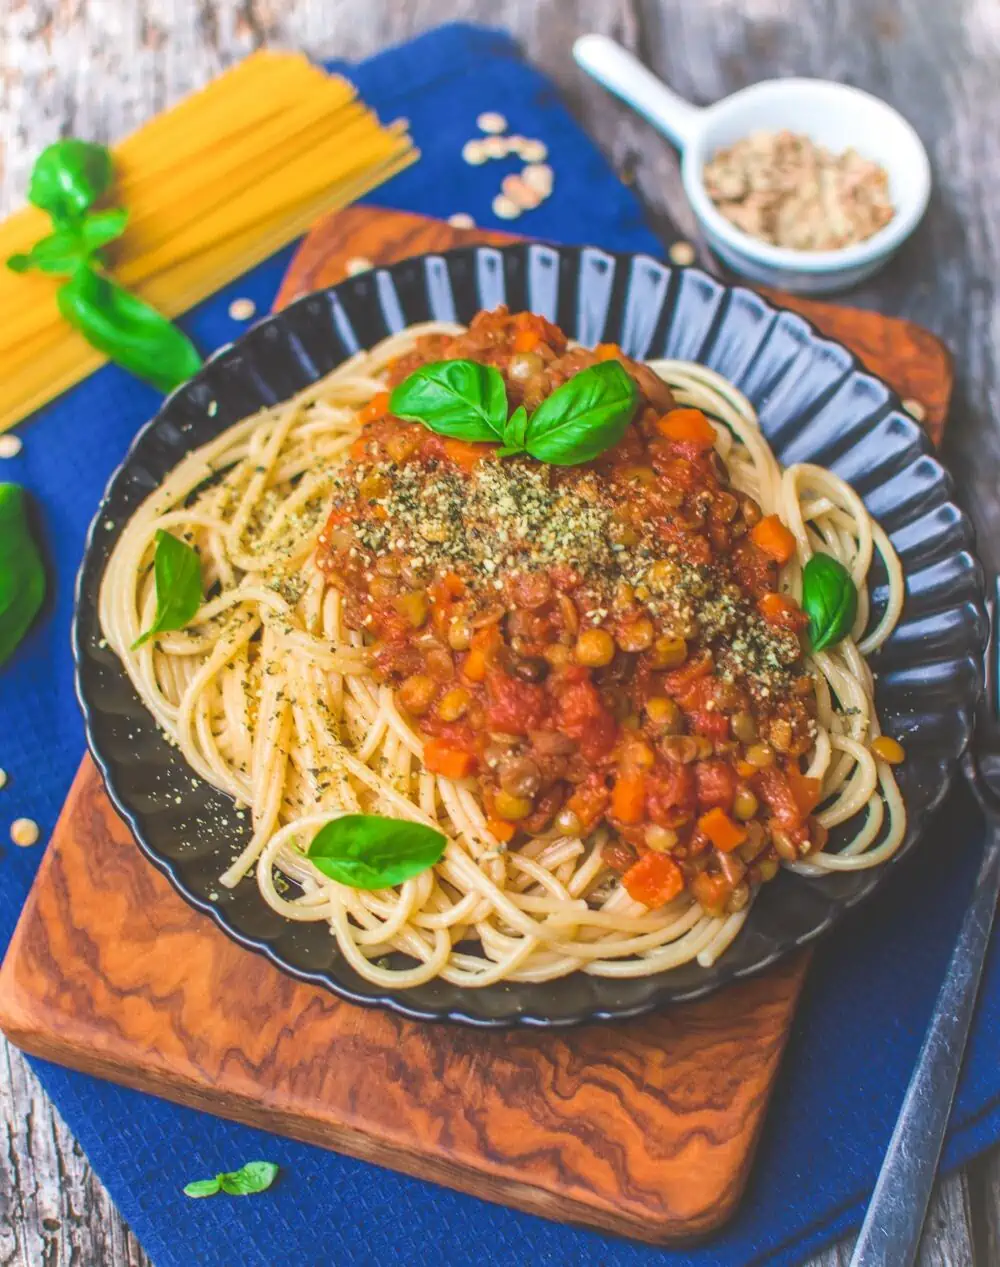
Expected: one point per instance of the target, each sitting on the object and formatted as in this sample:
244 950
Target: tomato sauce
598 646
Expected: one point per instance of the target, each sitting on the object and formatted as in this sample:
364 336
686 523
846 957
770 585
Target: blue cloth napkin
871 988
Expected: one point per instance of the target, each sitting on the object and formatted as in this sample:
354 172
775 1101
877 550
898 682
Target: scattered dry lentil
3 778
682 254
505 208
10 445
491 121
538 176
533 151
358 264
473 153
915 409
461 220
24 832
520 193
242 309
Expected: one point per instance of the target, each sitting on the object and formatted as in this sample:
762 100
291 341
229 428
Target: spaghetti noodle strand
274 699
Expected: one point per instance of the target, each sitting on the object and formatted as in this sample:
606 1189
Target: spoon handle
891 1231
624 75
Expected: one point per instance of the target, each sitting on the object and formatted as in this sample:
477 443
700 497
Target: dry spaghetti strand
212 186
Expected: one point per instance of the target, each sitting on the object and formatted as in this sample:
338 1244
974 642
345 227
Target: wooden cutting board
646 1129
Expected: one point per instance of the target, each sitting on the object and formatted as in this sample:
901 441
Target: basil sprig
829 599
366 851
177 569
255 1176
468 401
461 399
68 179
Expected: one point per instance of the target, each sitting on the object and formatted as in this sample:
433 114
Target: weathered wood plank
100 68
53 1209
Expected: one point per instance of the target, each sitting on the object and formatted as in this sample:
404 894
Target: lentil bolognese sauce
624 689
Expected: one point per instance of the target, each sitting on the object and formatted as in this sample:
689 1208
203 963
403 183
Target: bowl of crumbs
799 183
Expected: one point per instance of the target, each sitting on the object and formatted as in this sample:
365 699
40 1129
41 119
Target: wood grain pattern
646 1129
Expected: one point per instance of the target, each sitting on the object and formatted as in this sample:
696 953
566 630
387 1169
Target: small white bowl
833 115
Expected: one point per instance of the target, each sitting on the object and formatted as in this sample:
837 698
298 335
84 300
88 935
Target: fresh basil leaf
513 433
255 1176
61 252
69 177
178 586
588 414
829 599
366 851
203 1187
462 399
102 227
127 330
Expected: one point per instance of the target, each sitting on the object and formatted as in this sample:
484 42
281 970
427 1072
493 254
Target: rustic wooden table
101 68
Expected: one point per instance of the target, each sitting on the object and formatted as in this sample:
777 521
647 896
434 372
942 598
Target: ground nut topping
787 190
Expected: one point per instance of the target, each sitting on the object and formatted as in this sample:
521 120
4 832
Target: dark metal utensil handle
890 1234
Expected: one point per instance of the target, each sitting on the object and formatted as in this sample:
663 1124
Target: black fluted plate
816 404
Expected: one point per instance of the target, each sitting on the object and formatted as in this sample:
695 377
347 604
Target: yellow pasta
212 186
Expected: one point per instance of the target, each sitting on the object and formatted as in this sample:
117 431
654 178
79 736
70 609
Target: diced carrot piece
725 834
589 801
377 407
628 799
654 880
711 892
770 535
500 829
451 584
687 426
359 449
464 454
782 612
474 667
806 791
607 351
678 681
442 758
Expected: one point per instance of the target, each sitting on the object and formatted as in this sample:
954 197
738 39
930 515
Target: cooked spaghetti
592 679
